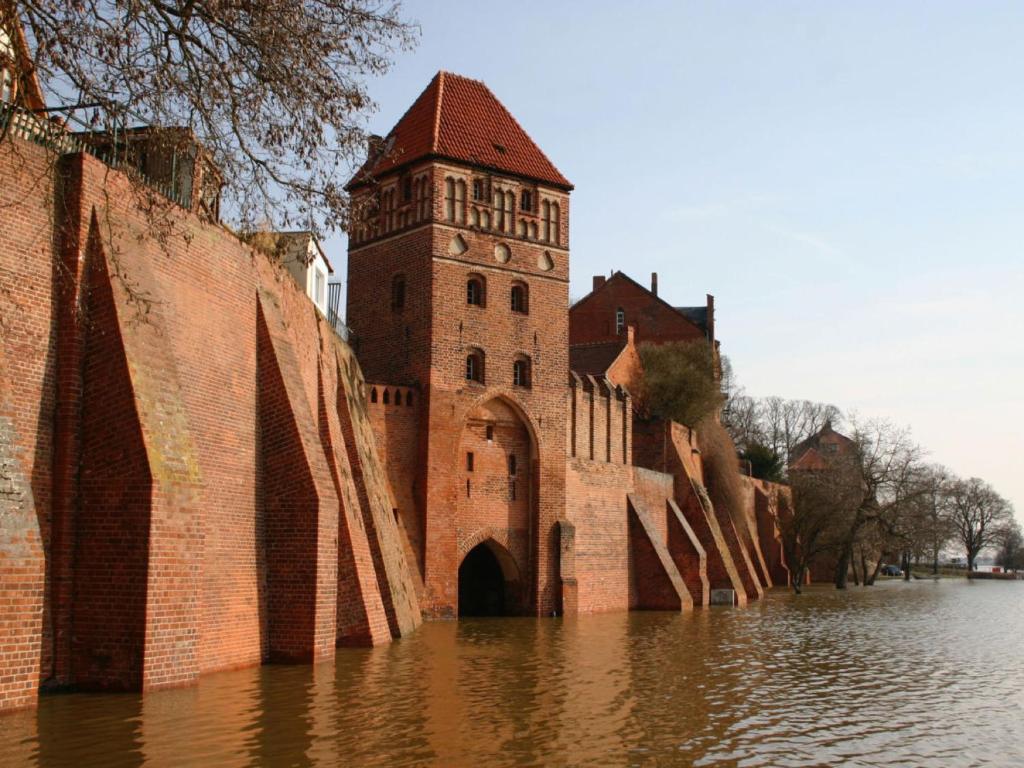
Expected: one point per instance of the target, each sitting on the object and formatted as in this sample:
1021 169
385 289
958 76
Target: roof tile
460 119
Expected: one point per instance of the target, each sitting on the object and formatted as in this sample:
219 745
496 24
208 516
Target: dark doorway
481 584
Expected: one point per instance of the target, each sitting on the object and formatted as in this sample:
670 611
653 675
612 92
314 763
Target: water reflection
901 674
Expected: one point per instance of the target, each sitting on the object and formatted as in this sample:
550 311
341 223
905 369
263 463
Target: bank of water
900 674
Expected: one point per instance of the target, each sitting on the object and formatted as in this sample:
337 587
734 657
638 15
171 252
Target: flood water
916 674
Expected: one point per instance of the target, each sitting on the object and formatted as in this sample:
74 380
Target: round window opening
502 253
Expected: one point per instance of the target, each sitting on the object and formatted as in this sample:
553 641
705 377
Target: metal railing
112 148
334 310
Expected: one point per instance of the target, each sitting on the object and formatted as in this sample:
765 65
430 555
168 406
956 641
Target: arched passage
488 582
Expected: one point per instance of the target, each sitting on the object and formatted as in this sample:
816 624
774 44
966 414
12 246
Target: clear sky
846 178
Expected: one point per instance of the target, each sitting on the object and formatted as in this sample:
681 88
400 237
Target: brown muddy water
918 674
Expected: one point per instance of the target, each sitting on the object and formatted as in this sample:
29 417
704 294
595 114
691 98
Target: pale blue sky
846 178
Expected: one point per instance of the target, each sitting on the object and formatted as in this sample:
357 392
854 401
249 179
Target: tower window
512 464
398 293
469 461
546 209
460 202
490 433
407 189
475 366
449 199
475 291
620 319
373 395
526 201
519 298
521 372
478 189
387 397
510 206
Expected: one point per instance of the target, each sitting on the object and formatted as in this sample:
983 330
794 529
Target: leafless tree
980 516
775 422
927 526
273 90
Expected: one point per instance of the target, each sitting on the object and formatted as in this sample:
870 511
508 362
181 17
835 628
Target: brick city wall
192 395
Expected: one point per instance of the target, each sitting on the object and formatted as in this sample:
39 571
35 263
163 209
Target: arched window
521 372
499 210
398 397
387 397
421 198
478 190
520 298
475 366
460 201
449 199
485 219
373 395
620 319
408 399
406 189
526 201
546 216
474 217
522 228
510 206
533 230
476 291
398 293
556 225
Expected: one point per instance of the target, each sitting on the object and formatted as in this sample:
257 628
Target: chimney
654 283
374 147
598 282
630 335
711 318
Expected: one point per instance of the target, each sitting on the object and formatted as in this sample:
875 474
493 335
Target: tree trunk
843 566
798 579
856 576
906 566
878 567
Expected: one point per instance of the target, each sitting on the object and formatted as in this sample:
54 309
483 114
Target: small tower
458 276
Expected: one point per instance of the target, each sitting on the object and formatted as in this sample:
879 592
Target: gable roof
808 453
459 119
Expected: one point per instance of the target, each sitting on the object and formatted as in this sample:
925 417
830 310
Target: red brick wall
27 405
396 428
168 441
598 420
596 505
113 520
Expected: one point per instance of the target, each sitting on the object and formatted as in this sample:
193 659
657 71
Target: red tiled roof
460 119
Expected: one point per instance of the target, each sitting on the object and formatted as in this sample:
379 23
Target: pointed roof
459 119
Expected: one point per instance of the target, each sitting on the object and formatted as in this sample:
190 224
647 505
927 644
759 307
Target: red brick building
619 302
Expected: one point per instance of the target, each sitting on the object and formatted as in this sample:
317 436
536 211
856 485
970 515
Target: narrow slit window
469 461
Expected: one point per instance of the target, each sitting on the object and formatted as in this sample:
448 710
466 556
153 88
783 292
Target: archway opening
482 588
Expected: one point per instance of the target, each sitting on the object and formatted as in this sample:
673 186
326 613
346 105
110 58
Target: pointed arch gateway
496 514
